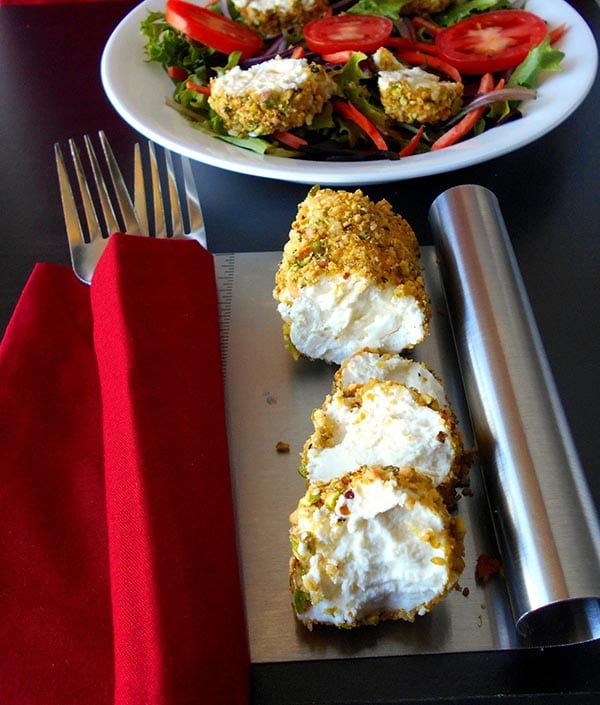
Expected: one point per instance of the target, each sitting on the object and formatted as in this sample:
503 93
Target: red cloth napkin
119 581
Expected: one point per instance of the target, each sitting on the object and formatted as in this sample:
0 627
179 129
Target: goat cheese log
376 544
350 278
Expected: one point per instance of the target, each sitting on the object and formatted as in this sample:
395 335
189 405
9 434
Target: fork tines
101 199
163 190
102 189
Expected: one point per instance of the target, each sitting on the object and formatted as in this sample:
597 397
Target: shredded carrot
289 139
338 57
418 58
469 121
197 87
177 73
348 111
422 23
408 44
558 32
412 145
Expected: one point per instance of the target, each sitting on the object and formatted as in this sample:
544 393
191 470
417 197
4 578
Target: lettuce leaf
351 75
462 10
169 47
255 144
350 83
541 58
387 8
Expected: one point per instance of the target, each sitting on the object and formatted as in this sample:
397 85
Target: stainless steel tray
270 398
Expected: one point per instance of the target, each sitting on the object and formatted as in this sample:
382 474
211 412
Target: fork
119 213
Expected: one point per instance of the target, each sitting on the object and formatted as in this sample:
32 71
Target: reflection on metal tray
270 398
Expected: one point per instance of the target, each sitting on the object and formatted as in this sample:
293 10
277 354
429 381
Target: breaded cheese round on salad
414 95
275 95
376 544
350 278
385 423
366 365
270 17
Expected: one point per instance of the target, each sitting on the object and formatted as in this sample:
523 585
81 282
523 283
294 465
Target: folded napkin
119 581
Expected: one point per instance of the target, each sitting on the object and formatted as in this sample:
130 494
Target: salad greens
169 47
460 11
391 9
191 65
541 58
387 8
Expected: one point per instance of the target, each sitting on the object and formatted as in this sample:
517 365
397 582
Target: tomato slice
210 28
492 41
328 35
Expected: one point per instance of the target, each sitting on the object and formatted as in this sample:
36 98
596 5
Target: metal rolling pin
544 517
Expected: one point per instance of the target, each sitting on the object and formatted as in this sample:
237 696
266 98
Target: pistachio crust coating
339 232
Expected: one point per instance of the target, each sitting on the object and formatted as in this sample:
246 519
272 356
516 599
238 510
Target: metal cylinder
544 517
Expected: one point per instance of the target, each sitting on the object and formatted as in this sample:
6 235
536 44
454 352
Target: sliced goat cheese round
384 423
366 365
376 544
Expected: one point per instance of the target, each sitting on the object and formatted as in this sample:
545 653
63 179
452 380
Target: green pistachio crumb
301 601
331 500
313 495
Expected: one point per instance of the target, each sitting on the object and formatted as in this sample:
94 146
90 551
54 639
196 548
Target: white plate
138 91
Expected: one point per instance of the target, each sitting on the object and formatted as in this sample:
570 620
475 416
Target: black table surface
50 90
